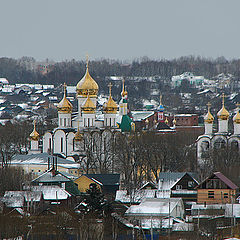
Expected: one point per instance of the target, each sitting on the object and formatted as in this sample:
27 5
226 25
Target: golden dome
166 121
34 135
89 106
110 106
124 92
223 114
64 106
87 85
209 117
78 136
174 121
236 118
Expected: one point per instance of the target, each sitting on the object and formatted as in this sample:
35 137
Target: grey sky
126 29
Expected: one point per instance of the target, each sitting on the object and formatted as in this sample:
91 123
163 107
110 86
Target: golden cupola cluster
87 85
64 106
110 106
209 117
236 118
223 114
88 106
34 135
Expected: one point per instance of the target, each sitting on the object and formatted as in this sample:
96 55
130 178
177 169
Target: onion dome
209 117
78 135
223 114
87 85
110 106
64 106
160 107
124 92
174 121
34 135
88 106
236 118
166 121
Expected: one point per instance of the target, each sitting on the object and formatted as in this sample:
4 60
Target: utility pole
169 218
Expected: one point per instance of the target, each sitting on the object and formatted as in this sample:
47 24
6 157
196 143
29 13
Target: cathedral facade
222 138
75 128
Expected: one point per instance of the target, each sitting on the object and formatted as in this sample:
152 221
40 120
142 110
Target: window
65 124
190 183
210 194
220 143
234 145
225 195
178 187
50 145
61 145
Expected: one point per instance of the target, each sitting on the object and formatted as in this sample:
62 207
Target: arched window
205 145
234 145
219 143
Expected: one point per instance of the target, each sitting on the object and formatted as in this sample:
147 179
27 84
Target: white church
222 138
67 137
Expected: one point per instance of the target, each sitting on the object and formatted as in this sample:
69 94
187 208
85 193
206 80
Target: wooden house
107 183
216 189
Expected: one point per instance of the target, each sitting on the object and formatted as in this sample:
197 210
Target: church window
205 145
61 144
219 143
49 144
234 145
60 121
88 122
110 122
73 144
65 124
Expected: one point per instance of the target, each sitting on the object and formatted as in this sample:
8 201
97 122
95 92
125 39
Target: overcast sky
126 29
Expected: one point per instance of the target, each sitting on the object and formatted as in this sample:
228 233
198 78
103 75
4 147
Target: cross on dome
110 88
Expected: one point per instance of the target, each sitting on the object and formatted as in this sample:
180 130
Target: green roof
126 124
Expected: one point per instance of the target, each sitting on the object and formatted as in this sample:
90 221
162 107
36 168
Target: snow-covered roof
50 177
52 192
13 201
141 115
27 195
154 207
42 159
4 81
138 196
71 89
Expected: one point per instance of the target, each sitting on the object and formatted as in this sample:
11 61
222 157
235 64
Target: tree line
18 71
